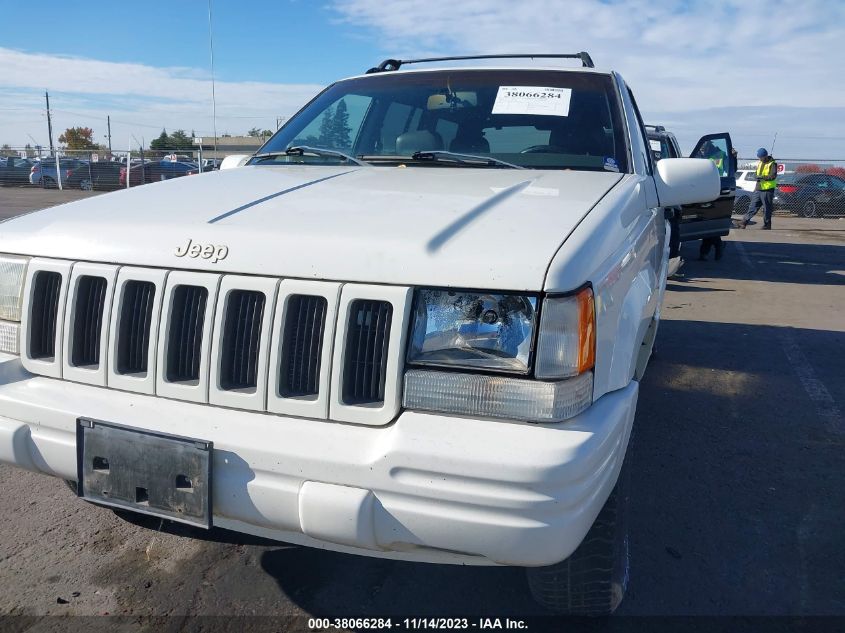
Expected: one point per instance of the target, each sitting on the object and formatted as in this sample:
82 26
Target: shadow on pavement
736 488
772 261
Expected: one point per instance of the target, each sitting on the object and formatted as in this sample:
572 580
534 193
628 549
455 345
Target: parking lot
736 478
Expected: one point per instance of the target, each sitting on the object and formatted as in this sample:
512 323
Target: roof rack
394 64
656 128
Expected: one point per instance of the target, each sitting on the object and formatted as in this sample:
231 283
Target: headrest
419 141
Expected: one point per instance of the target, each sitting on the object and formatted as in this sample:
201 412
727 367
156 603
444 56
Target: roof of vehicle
391 66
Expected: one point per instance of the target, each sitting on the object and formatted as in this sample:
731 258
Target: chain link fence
108 170
807 188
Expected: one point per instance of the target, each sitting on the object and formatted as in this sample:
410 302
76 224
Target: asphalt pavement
737 473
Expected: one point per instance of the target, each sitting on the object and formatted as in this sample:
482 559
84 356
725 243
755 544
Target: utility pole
49 121
213 96
108 123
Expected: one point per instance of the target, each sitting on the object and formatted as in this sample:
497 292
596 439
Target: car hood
469 227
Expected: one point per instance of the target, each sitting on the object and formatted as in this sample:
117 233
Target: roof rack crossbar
394 64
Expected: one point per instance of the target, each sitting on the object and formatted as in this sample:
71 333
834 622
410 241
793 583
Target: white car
746 179
416 334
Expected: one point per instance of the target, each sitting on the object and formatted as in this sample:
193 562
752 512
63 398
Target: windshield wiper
438 154
301 150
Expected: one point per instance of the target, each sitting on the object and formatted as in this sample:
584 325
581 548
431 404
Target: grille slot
184 341
45 309
302 346
134 328
367 339
88 321
241 340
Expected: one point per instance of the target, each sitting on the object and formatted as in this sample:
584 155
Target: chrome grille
241 340
89 301
45 310
367 337
133 338
306 348
185 333
302 346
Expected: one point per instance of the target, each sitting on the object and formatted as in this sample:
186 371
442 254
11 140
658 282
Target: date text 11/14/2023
482 624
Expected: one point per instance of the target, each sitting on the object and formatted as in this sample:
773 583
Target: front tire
592 581
86 185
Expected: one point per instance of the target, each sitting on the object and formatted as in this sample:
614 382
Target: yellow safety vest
767 170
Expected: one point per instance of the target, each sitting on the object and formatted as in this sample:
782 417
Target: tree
162 142
326 129
254 132
837 171
78 138
6 150
180 140
340 127
808 168
266 133
29 151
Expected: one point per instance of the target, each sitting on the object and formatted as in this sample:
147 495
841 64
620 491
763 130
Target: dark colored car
165 170
156 171
811 195
14 170
711 219
102 175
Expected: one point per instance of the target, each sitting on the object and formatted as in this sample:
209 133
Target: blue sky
695 65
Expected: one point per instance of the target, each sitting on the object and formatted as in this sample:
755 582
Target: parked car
711 219
137 172
811 195
100 175
421 341
14 170
210 164
746 179
166 169
46 169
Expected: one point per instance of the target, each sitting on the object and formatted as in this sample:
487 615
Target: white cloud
734 53
141 99
677 55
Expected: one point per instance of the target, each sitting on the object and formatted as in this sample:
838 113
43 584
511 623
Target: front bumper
430 488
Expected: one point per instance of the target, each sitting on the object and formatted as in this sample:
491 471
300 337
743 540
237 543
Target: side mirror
234 160
686 181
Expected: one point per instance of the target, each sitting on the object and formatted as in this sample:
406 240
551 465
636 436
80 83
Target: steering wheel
543 149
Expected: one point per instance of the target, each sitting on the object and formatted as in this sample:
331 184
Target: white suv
412 326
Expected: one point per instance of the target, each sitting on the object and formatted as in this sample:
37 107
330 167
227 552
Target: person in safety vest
720 160
764 191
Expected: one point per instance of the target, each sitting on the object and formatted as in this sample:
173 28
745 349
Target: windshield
534 119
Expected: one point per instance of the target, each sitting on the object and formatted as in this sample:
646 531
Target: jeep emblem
214 252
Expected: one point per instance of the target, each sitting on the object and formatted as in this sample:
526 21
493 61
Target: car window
647 156
338 124
716 149
660 147
536 119
837 183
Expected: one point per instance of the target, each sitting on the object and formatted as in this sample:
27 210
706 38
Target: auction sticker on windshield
532 100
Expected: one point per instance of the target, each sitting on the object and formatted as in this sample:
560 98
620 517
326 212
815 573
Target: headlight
12 275
473 330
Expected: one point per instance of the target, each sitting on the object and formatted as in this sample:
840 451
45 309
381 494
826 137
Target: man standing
764 190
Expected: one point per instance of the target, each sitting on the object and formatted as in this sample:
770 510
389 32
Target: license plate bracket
159 474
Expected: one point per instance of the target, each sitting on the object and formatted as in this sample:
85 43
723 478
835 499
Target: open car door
711 219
